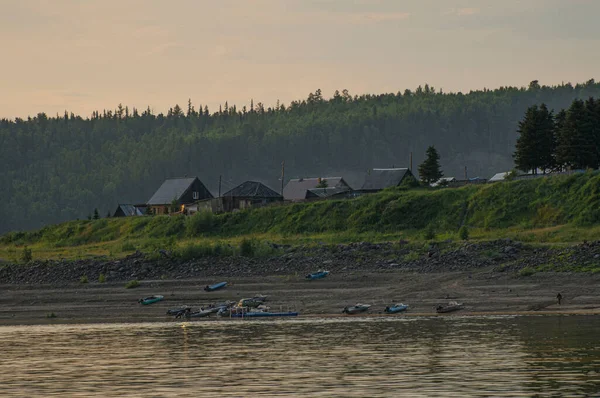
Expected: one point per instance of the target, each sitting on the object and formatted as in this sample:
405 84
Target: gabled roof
442 180
499 176
252 189
379 179
129 210
172 188
326 192
296 188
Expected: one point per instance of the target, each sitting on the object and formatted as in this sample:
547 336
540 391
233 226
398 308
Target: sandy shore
482 292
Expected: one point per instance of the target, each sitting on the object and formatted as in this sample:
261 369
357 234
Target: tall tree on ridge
430 170
536 143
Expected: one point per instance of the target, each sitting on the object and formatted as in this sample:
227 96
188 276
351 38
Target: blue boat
394 309
216 286
150 300
317 275
262 314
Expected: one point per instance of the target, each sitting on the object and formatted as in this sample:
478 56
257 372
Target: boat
452 306
216 286
252 302
150 299
260 314
317 275
200 314
356 309
178 312
396 308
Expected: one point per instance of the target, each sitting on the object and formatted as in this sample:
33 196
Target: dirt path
483 291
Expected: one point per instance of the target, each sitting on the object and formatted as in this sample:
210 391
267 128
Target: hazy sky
82 56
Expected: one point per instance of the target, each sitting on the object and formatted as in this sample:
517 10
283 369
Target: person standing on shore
559 298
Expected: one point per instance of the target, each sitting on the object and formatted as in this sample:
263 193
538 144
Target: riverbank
483 291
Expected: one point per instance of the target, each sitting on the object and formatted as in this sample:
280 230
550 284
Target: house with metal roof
328 193
249 194
127 211
378 179
296 189
182 191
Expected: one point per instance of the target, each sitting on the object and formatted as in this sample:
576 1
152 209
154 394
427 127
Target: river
450 356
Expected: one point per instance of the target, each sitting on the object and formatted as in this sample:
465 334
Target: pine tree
430 170
536 144
96 215
576 144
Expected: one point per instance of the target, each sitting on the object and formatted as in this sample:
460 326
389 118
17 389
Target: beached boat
200 314
317 275
394 309
150 299
252 302
452 306
178 311
356 309
216 286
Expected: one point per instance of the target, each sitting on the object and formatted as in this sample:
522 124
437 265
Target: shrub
463 232
527 271
199 223
83 279
247 247
51 315
194 250
429 233
132 284
26 255
101 278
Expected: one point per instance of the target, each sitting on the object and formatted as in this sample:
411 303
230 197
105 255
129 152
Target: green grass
132 284
541 211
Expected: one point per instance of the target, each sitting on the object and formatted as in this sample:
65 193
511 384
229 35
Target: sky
82 56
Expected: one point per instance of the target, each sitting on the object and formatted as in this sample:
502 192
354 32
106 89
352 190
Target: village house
181 191
378 179
250 194
128 211
297 189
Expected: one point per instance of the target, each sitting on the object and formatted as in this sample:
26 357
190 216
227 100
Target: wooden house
184 191
128 211
296 189
378 179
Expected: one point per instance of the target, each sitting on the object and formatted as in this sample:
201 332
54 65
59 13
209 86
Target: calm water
347 357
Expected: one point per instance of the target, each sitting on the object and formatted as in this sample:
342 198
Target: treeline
568 140
59 168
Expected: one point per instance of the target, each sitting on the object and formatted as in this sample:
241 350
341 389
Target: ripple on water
500 356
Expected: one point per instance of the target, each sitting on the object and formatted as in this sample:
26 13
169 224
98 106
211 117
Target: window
196 195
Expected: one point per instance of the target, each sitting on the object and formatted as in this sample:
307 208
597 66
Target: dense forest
565 141
59 168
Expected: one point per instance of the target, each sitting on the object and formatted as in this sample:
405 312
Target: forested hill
59 168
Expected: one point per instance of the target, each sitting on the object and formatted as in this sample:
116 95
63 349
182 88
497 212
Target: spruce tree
430 170
96 215
536 143
576 144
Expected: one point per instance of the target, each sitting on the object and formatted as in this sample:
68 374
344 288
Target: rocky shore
503 255
486 276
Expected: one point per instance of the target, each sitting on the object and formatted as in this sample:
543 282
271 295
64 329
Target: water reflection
347 357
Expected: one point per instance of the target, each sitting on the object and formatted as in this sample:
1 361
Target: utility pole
282 175
466 173
219 185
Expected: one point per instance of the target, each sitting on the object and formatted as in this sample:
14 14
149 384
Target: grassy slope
546 210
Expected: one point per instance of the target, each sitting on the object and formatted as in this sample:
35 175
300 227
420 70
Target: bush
200 223
83 279
194 250
463 233
527 271
247 247
132 284
101 278
51 315
429 233
26 255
